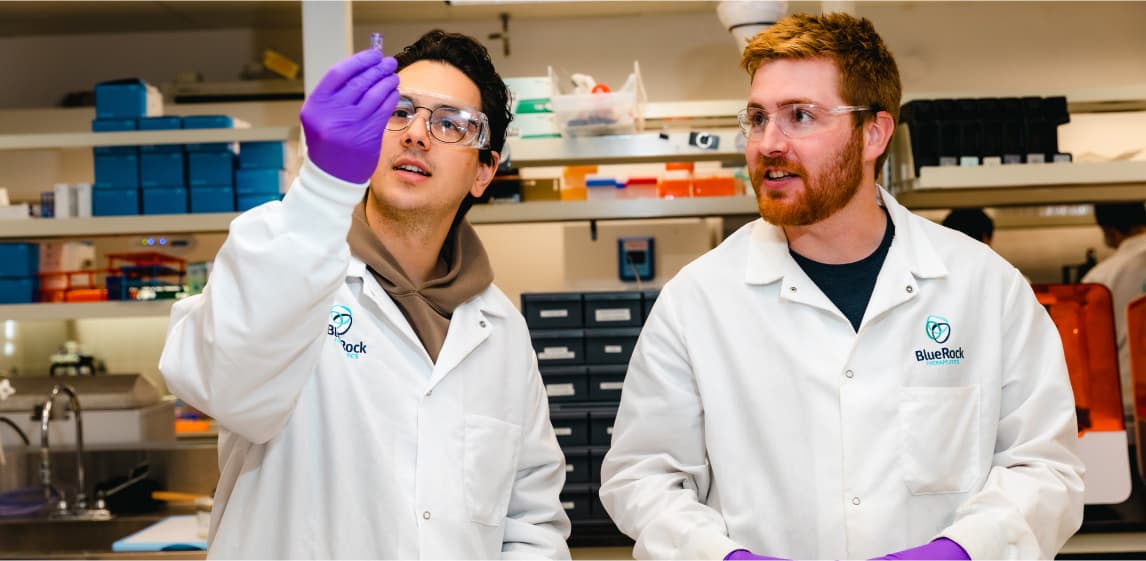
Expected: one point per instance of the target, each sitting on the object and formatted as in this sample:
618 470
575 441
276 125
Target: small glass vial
376 41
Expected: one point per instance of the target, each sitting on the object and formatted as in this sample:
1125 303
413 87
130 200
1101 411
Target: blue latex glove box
161 124
210 168
213 198
247 202
161 169
128 98
115 202
257 155
164 200
19 259
116 170
259 181
209 122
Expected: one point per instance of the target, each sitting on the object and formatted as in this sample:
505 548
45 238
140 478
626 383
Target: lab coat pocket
940 429
490 467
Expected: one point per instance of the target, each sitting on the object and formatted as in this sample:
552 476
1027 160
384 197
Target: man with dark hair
973 222
842 378
377 395
1124 273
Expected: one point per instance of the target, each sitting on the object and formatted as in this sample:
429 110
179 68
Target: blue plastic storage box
209 122
259 181
265 155
115 202
161 169
19 259
132 97
212 199
18 290
210 169
247 202
116 170
164 200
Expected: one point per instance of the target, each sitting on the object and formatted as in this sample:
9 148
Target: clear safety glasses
448 122
795 120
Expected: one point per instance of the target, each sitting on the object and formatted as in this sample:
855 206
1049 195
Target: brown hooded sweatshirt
429 307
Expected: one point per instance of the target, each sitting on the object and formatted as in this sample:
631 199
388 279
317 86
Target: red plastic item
1084 316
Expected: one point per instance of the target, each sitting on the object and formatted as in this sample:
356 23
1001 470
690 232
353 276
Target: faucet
80 510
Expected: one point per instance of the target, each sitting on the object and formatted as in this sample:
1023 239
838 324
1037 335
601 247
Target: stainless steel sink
34 537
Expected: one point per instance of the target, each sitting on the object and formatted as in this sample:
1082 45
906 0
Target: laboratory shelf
546 211
1024 184
646 147
100 226
85 310
53 141
558 211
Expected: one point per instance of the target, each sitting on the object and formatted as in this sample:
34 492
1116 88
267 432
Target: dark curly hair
472 58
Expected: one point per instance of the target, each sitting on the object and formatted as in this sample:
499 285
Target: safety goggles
448 122
795 120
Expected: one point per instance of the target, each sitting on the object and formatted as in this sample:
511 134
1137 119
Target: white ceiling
117 16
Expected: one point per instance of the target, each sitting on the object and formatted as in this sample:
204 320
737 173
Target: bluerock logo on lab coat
938 329
340 321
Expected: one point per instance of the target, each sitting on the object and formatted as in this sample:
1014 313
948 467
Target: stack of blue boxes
19 268
176 178
261 174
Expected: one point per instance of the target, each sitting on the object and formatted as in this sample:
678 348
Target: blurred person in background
377 395
1124 273
973 222
842 379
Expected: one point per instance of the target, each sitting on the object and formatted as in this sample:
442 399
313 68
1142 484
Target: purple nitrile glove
940 549
740 554
345 116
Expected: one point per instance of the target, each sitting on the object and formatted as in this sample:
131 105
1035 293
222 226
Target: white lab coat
356 445
753 416
1124 273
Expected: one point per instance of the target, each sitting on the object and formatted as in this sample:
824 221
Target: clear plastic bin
617 112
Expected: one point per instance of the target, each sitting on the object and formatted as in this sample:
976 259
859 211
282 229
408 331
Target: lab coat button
910 289
792 288
849 374
426 514
482 323
429 393
855 501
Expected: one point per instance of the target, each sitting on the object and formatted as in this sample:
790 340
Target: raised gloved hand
345 116
738 554
939 549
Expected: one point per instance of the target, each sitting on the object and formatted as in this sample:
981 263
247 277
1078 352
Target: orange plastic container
573 183
1084 316
714 186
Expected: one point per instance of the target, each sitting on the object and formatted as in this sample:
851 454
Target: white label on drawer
612 314
560 313
611 385
567 505
613 349
560 390
563 431
555 353
609 430
569 468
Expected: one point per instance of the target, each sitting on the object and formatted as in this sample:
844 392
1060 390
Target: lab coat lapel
770 261
910 259
469 327
390 312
